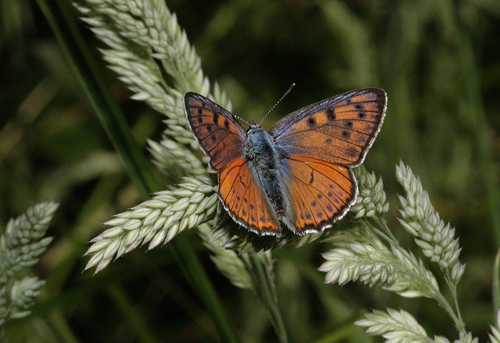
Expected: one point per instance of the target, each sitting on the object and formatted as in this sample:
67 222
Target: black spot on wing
330 114
346 134
311 121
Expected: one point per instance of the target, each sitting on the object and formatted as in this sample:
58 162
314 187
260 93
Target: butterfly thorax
260 148
264 157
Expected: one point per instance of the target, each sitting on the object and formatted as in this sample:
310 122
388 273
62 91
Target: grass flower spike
395 326
361 255
155 221
21 245
495 330
419 218
402 327
371 198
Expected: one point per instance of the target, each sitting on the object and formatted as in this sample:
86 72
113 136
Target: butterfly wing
320 192
319 142
340 129
244 201
219 133
222 138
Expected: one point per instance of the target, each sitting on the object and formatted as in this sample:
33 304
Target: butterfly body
299 172
265 161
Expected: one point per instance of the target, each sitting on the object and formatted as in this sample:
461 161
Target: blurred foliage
439 62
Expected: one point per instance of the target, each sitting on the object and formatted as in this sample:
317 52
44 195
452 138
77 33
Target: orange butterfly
297 174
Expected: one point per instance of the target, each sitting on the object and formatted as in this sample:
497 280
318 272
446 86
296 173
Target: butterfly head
258 144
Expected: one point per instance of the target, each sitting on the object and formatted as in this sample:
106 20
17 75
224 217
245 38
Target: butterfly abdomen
264 158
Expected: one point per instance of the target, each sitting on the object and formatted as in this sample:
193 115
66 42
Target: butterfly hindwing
219 133
321 192
244 200
340 129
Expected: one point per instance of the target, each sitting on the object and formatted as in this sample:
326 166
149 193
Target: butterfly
297 174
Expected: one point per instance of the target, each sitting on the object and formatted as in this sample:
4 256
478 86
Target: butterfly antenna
243 120
276 104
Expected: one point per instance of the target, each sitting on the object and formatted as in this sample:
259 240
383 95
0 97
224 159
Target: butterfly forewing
339 129
216 129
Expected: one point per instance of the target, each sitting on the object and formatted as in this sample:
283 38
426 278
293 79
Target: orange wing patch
321 193
329 143
244 200
340 129
219 134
